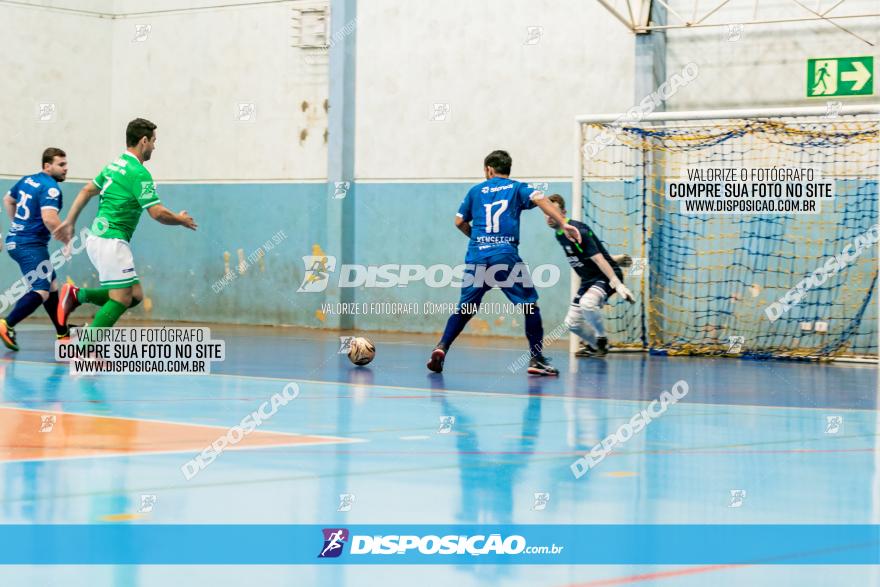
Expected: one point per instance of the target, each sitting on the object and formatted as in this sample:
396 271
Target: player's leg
591 304
50 304
23 308
516 283
470 299
35 269
72 297
137 295
112 311
115 264
574 319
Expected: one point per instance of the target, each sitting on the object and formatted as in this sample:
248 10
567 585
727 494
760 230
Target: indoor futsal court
381 293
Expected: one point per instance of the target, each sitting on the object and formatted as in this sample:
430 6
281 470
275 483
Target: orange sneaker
7 335
67 302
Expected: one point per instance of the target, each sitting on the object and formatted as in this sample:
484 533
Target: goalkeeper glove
623 291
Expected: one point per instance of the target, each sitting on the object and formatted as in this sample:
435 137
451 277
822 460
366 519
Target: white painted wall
502 92
196 65
61 58
188 74
192 72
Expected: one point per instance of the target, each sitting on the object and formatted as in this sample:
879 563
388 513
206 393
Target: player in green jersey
126 188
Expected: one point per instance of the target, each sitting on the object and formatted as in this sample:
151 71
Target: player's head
140 138
560 203
497 164
55 163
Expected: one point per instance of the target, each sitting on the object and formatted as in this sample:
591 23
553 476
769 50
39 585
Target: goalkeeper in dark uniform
601 278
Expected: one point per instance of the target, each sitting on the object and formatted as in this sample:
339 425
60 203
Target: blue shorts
29 258
503 265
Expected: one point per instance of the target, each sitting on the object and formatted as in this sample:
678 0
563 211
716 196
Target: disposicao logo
334 540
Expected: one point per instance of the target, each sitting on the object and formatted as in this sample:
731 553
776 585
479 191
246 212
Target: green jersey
126 189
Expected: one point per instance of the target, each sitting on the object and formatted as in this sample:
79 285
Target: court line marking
325 439
485 393
553 454
517 423
346 384
522 395
689 570
654 576
671 450
595 419
237 481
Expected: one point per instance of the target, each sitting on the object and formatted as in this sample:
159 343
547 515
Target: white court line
521 396
325 440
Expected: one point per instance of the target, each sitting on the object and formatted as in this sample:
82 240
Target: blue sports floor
761 428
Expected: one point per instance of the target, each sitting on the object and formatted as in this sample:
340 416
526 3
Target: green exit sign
840 76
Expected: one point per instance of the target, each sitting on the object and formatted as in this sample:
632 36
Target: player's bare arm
613 280
552 210
9 206
463 226
64 231
50 218
163 215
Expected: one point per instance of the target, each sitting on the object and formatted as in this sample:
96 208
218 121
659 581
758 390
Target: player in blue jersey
32 205
489 217
600 277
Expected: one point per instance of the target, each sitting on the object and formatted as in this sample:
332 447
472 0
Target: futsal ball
362 351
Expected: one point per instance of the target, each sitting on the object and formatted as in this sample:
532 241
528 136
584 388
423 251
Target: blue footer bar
146 544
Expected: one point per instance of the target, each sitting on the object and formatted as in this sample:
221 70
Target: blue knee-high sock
454 326
534 331
24 307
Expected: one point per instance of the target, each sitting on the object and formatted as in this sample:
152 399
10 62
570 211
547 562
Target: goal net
738 248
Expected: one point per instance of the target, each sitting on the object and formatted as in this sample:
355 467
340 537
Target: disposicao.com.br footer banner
440 544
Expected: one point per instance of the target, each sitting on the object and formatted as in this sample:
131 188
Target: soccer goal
779 280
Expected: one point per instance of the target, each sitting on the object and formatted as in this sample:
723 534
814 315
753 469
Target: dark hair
500 161
50 154
558 200
138 129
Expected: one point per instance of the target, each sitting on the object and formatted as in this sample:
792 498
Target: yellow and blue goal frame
704 282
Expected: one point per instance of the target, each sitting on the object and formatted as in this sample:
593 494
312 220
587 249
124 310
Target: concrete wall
192 72
501 91
61 60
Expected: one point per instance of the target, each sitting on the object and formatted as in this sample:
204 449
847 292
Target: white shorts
113 260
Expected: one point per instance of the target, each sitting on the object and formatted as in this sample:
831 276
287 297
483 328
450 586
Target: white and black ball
361 351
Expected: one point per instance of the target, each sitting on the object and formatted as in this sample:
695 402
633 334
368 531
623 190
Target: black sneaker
601 346
540 365
585 350
66 335
438 356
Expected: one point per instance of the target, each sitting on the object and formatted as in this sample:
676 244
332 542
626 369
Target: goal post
788 273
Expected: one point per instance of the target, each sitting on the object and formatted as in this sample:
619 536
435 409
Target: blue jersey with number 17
493 208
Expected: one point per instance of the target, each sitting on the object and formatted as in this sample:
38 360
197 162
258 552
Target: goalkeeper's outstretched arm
613 280
623 260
